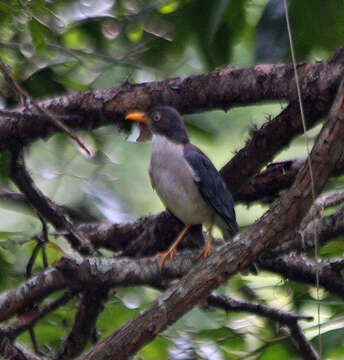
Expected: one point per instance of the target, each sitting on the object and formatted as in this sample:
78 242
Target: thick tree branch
34 289
243 250
267 184
302 269
220 89
92 272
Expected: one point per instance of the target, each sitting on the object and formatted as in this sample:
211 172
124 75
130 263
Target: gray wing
211 186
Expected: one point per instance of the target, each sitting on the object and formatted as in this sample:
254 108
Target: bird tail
228 228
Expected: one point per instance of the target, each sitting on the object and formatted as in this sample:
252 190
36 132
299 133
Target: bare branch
15 352
13 330
326 200
284 317
302 269
92 272
230 304
326 228
91 305
45 206
25 98
30 291
220 89
28 354
267 184
123 271
305 347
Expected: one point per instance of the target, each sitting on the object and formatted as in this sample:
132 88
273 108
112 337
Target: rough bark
33 289
220 89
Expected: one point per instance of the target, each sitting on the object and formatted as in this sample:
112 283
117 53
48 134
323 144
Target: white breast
173 179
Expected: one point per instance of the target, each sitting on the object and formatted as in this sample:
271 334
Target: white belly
173 179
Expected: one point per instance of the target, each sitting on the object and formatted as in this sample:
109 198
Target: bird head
163 121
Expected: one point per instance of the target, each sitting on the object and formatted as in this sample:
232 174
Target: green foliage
54 47
316 28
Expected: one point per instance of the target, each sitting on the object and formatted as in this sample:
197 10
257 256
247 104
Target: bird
185 179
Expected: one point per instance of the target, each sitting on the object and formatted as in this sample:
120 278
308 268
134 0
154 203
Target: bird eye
156 116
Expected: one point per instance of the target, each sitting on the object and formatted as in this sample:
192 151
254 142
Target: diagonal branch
326 228
301 342
27 353
267 184
16 351
46 208
12 331
91 305
26 98
34 289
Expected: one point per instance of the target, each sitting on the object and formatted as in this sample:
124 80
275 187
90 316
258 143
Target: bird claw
206 251
165 255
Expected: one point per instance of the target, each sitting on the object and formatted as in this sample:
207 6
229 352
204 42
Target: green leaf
155 350
6 235
318 25
332 339
275 351
37 31
224 336
7 8
7 256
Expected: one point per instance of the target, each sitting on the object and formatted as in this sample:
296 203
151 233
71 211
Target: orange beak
138 116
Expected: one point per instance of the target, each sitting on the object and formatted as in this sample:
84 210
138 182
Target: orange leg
173 248
205 252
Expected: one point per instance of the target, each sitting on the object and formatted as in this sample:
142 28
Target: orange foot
165 255
173 249
205 252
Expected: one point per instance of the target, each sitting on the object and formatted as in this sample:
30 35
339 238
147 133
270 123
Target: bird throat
161 143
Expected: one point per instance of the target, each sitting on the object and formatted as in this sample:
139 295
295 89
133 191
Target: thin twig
45 240
34 341
13 330
230 304
44 205
25 98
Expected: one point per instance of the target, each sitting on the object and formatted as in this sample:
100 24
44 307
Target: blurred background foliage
55 47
